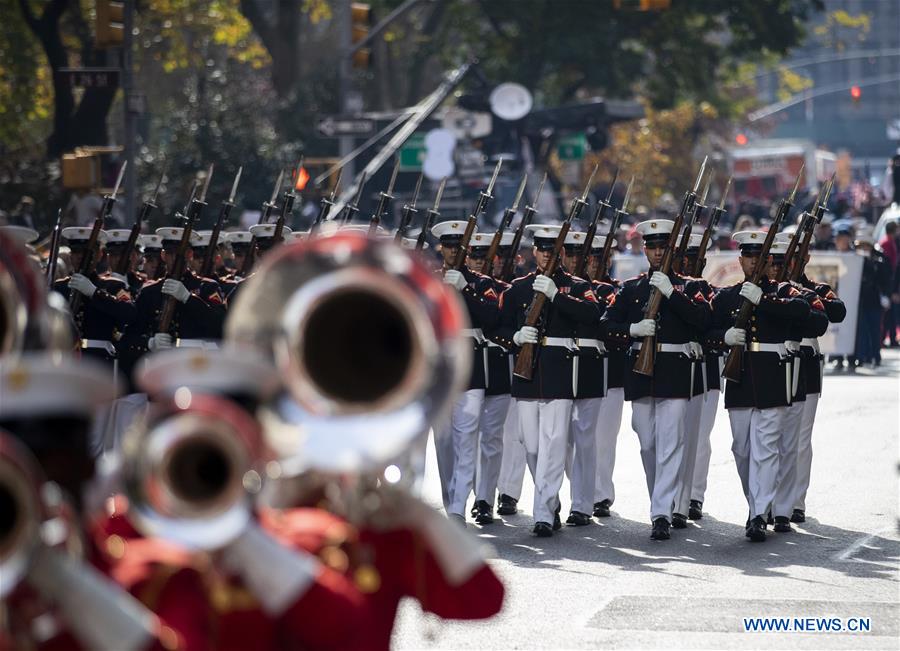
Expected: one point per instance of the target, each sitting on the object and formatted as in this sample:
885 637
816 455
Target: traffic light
855 94
110 23
361 20
741 139
642 5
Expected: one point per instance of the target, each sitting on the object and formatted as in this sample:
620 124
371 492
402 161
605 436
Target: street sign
335 126
571 147
89 77
412 153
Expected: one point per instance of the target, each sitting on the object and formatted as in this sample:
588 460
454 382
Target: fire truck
768 168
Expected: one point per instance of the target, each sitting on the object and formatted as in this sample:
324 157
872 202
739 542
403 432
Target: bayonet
527 215
519 193
277 187
431 215
384 200
582 261
612 186
408 211
440 193
797 184
206 183
624 208
725 194
159 183
118 181
700 175
353 207
234 186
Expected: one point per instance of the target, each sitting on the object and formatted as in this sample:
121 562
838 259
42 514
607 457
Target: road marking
846 554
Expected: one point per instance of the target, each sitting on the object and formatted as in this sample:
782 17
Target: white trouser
609 421
490 446
660 426
786 481
114 420
512 463
689 456
804 450
755 449
545 430
455 445
581 453
704 447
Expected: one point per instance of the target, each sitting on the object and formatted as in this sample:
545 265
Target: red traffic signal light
855 93
741 139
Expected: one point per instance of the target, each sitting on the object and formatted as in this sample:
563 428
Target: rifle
525 359
250 258
384 201
684 242
707 233
287 206
353 207
147 209
326 204
646 356
206 270
812 220
87 260
177 269
509 261
602 207
54 249
408 211
505 222
735 360
484 197
430 216
613 229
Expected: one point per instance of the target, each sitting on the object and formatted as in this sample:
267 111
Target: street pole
345 61
130 114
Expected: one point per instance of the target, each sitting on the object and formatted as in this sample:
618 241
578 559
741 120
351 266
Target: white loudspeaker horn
511 101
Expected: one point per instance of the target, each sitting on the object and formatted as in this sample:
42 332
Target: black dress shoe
660 529
769 518
557 523
679 521
782 524
756 532
578 519
507 505
798 516
695 512
601 509
542 530
484 512
474 510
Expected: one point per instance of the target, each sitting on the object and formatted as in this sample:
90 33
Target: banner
843 271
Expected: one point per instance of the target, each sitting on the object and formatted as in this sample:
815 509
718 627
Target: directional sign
571 147
89 77
337 126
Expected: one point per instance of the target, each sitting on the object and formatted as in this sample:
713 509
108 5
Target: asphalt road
609 586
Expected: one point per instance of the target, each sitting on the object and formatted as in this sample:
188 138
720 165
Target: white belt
684 349
758 347
478 335
493 344
196 343
569 344
99 344
591 343
811 342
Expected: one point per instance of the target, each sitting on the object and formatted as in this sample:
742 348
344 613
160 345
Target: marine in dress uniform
47 402
757 405
199 310
107 308
581 459
812 364
116 241
660 402
609 418
152 265
456 441
495 408
544 403
814 325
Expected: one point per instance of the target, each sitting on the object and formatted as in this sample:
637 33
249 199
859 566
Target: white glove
527 335
792 347
661 281
644 328
546 286
885 302
696 350
122 279
80 283
160 341
176 289
455 278
735 336
751 292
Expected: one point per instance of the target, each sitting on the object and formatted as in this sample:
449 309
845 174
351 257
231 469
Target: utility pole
130 112
347 96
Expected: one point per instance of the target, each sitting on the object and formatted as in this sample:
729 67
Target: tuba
189 473
368 344
21 511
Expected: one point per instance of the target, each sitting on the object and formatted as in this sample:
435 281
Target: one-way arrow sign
335 126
